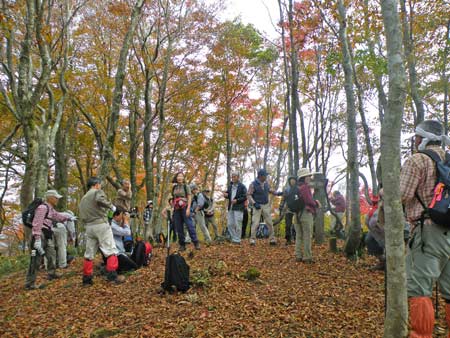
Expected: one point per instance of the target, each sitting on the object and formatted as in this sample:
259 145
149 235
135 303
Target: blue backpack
262 231
438 210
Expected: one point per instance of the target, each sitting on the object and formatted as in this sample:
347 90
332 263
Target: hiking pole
436 313
168 236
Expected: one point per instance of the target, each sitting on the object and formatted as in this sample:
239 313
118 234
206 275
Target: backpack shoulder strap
432 154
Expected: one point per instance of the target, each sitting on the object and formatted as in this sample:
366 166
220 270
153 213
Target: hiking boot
235 243
273 242
87 280
298 259
54 276
34 287
379 267
119 280
197 245
182 247
252 242
70 259
288 242
308 260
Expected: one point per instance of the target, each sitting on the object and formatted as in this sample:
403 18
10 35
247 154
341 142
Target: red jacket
305 193
339 203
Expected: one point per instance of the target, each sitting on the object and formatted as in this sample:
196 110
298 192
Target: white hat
303 172
149 201
52 193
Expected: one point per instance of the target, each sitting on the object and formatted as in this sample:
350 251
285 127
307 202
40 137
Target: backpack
28 213
176 276
141 253
206 205
262 231
438 209
294 201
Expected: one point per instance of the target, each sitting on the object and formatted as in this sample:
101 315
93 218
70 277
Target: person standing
64 232
245 220
123 198
209 213
258 196
292 184
236 195
147 217
198 205
42 240
182 199
428 252
339 208
93 209
305 218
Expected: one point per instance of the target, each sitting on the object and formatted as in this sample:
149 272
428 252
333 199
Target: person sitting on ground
64 232
120 229
42 241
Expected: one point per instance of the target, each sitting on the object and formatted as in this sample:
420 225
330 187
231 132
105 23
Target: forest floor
334 297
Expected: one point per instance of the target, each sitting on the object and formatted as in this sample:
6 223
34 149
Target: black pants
288 218
244 223
125 263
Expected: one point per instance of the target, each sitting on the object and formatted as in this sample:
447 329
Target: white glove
113 208
73 218
38 246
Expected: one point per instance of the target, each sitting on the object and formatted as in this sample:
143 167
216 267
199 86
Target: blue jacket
261 192
241 197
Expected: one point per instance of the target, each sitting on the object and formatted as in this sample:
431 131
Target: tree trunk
354 234
396 318
108 146
444 76
411 62
319 194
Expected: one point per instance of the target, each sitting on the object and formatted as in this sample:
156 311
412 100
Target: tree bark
113 121
354 233
396 318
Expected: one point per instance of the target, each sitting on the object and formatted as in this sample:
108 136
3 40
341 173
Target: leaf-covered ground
334 297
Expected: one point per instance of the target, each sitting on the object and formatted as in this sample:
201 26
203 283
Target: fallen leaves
332 298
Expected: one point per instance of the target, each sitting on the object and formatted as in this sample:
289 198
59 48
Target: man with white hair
428 254
42 241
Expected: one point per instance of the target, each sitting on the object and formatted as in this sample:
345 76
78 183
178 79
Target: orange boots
421 313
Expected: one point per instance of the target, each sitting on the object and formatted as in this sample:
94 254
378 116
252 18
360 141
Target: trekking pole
168 236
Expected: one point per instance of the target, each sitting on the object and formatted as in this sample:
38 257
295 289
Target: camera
134 213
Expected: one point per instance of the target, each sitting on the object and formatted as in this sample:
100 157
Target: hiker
292 184
258 196
93 208
123 198
64 232
209 213
120 229
182 199
338 201
236 195
198 205
374 239
245 220
427 258
42 240
147 217
305 218
167 213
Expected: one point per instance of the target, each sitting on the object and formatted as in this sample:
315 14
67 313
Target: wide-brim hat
304 172
53 193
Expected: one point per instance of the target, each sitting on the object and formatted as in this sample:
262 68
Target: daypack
205 205
438 210
294 201
28 213
176 276
141 253
262 231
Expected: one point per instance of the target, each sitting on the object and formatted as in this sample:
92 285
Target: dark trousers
180 218
36 259
125 263
244 223
288 218
373 247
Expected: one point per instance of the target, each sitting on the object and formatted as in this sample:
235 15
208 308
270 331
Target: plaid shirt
418 175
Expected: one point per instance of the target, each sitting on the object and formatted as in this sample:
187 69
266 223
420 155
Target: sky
263 14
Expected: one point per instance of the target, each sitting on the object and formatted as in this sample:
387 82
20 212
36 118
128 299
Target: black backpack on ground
139 255
28 213
294 201
439 208
262 231
176 276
